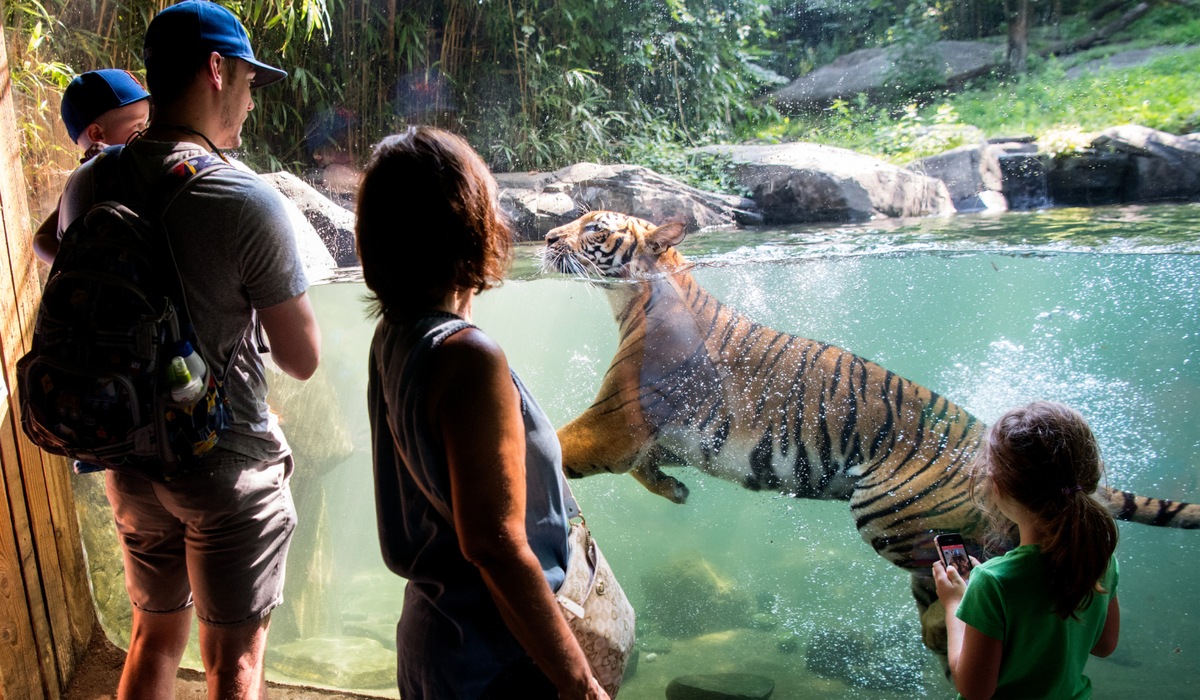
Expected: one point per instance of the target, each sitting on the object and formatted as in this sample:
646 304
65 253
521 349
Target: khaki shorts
218 541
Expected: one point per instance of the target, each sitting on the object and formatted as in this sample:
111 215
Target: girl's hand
950 585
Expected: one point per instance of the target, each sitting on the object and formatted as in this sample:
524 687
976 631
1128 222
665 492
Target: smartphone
953 552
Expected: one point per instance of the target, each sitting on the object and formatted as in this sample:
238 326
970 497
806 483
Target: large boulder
720 686
333 224
1091 179
807 182
1165 166
538 202
687 597
868 70
972 176
1025 183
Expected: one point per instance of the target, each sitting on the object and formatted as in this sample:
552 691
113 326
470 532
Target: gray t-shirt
236 252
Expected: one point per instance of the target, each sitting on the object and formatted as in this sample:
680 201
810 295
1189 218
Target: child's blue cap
193 26
93 93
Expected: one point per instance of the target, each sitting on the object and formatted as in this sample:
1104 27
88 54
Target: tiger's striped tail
1150 511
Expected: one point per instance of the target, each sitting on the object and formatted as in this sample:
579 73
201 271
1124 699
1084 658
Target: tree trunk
1018 37
1100 35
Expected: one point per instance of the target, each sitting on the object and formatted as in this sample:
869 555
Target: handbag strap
569 502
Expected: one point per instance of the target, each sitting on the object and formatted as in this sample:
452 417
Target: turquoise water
1096 308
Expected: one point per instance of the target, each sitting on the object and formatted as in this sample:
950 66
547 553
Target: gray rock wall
867 71
807 182
538 202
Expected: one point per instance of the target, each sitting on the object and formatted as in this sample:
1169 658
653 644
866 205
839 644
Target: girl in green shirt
1026 624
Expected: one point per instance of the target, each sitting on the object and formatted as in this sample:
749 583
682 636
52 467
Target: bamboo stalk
517 59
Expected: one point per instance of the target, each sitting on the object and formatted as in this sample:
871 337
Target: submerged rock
808 182
891 659
868 70
764 621
538 202
105 564
720 686
686 597
345 662
372 603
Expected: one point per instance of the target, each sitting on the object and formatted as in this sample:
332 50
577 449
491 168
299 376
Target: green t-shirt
1008 598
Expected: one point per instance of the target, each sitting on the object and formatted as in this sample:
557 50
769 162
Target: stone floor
97 676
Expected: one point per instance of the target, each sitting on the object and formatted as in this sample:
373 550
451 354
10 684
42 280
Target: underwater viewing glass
771 553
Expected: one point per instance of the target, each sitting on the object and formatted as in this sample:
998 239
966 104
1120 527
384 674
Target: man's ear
212 70
665 236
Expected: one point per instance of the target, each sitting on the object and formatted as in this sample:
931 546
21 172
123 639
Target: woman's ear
665 236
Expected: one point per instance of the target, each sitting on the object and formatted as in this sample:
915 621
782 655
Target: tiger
696 383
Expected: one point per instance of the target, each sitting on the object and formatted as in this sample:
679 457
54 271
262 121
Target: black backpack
96 384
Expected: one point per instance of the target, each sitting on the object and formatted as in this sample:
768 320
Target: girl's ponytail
1078 541
1045 457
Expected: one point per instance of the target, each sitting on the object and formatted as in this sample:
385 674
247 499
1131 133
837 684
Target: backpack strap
110 185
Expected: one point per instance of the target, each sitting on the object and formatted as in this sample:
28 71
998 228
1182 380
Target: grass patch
1164 95
1161 95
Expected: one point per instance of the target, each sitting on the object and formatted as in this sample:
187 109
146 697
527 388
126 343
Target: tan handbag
597 610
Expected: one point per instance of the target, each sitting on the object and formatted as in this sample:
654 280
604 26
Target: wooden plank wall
46 611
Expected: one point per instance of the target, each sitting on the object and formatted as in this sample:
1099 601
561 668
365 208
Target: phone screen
955 554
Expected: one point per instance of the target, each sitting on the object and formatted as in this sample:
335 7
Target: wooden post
39 510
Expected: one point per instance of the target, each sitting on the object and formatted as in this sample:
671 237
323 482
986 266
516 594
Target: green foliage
538 84
1169 24
1161 95
533 84
714 172
914 136
913 68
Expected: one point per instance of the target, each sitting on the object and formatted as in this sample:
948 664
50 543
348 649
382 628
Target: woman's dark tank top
450 640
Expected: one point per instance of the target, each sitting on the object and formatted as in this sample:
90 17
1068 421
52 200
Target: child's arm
1107 643
45 239
974 657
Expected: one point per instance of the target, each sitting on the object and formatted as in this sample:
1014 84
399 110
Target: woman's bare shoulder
469 357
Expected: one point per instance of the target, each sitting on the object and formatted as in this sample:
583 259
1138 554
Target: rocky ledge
537 202
797 183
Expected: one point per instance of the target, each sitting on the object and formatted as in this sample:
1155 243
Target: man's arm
294 335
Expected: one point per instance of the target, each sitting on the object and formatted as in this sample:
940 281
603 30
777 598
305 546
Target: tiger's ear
664 237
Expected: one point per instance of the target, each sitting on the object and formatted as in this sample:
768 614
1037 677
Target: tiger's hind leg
933 619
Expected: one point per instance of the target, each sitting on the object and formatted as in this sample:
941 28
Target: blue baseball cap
202 25
93 93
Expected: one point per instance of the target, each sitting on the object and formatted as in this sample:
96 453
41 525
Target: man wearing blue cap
217 542
99 108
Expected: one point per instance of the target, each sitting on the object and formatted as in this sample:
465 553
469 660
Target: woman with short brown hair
468 480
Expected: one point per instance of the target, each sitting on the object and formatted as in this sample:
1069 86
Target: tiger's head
608 244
